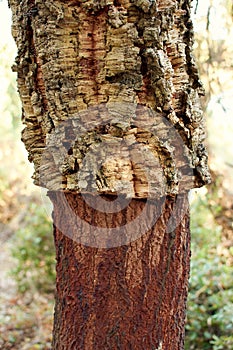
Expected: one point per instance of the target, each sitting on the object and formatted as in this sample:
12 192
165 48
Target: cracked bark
118 77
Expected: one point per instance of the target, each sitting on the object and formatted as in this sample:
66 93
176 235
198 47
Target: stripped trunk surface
128 297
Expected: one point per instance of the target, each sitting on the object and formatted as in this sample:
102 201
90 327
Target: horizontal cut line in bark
117 148
104 230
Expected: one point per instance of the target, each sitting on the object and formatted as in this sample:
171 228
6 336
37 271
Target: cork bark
110 95
94 73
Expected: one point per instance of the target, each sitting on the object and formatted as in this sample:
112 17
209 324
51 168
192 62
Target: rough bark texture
110 97
90 66
128 297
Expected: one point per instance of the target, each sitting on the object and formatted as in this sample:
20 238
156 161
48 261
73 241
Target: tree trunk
110 97
127 297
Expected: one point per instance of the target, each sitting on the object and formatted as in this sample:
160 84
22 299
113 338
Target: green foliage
34 252
210 303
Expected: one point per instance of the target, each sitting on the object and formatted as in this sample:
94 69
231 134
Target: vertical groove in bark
129 297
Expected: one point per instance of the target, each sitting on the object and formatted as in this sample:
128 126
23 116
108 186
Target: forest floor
25 319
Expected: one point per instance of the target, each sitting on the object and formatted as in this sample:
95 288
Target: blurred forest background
27 254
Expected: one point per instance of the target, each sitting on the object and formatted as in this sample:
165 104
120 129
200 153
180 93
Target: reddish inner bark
128 297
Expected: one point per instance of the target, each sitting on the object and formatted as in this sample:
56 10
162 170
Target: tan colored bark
106 59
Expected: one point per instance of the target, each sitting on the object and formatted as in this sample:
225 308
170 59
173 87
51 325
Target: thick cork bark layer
102 74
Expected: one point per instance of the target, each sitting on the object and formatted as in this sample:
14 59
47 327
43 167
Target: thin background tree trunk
114 78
